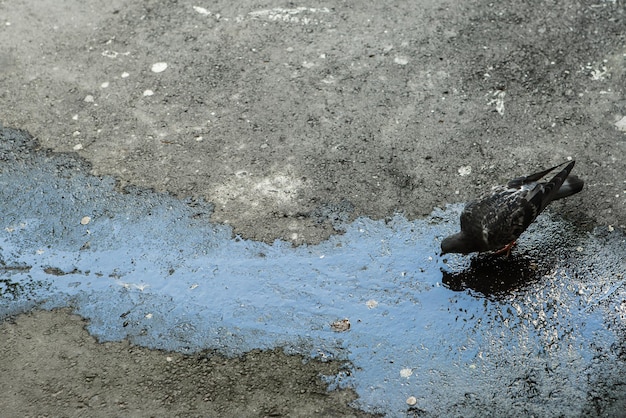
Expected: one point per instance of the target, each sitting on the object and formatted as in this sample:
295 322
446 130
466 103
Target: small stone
341 325
85 220
159 67
201 10
411 401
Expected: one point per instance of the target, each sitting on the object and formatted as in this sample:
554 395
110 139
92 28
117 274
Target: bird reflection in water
495 277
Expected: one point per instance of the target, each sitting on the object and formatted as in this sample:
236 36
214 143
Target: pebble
159 67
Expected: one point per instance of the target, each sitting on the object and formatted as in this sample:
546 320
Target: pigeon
494 221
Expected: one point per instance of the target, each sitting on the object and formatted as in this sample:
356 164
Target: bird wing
500 217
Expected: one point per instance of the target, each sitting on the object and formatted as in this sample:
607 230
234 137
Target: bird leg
506 249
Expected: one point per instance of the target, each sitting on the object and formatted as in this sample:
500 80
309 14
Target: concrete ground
287 118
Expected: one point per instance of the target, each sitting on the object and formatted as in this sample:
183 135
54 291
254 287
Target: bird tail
570 186
518 181
550 190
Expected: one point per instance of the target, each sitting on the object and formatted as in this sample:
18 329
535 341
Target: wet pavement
291 171
539 333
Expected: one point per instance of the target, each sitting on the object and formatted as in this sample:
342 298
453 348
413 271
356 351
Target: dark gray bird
495 220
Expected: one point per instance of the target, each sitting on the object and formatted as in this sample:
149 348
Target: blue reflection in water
532 334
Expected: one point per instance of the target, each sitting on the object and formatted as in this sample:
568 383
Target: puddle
539 333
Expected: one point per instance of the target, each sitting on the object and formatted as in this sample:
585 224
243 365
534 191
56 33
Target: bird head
457 243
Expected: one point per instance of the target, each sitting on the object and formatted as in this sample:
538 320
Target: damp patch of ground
410 332
71 374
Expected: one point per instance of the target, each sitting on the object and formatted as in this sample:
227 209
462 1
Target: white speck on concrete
202 10
465 170
401 60
159 67
621 124
599 73
279 14
498 101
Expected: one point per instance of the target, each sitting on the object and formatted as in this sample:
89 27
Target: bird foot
506 249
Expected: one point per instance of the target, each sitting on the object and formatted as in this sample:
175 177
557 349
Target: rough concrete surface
84 378
286 116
